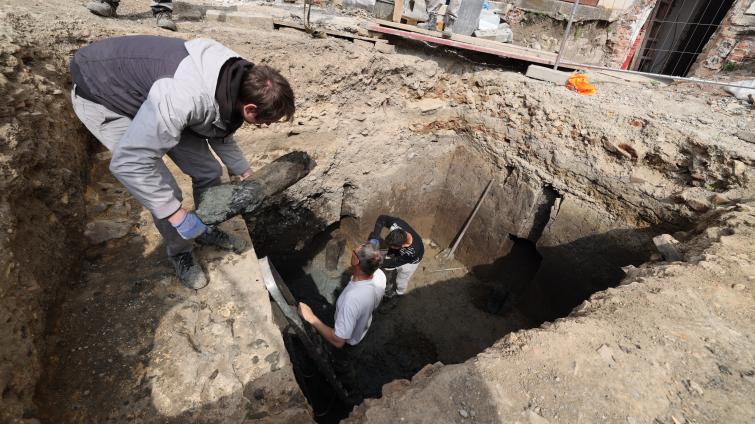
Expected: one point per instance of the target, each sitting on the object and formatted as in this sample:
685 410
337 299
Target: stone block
748 136
429 105
251 20
248 20
215 15
385 48
666 244
363 44
100 231
502 34
615 4
190 15
562 10
547 74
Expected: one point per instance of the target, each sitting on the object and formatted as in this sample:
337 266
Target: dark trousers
345 360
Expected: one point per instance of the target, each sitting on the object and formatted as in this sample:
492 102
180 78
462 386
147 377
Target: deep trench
515 287
454 309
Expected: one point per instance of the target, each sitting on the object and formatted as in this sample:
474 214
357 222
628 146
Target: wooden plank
584 2
501 52
475 41
339 34
501 49
398 10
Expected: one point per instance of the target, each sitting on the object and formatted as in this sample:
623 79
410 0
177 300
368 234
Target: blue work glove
375 242
191 227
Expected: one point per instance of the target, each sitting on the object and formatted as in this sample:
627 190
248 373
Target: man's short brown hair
267 89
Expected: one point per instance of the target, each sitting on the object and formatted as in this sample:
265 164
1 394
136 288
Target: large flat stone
547 74
562 10
219 355
250 20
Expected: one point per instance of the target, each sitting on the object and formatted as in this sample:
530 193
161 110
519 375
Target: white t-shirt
355 305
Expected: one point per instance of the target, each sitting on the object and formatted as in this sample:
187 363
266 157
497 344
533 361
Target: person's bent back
144 97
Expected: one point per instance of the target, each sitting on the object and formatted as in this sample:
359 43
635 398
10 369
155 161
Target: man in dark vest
144 97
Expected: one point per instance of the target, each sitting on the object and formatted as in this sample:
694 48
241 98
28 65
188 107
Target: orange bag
579 83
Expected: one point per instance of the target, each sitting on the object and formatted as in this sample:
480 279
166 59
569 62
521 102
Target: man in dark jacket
144 97
405 249
162 10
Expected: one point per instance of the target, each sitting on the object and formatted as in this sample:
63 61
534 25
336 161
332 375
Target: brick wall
619 40
732 47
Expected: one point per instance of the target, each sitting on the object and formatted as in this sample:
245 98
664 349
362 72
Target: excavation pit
102 331
527 258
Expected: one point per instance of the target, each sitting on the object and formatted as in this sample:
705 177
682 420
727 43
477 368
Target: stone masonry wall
732 47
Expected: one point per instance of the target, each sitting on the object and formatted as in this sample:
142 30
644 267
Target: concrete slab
250 20
628 77
363 44
547 74
385 48
562 10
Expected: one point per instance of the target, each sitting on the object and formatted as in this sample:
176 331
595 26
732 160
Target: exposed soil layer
43 167
586 180
454 309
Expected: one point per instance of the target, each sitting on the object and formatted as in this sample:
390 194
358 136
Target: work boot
102 8
189 273
214 236
448 27
165 20
431 23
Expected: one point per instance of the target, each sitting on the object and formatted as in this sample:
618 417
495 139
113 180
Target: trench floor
103 331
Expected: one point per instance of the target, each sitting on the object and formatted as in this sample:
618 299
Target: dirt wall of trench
43 160
594 176
628 156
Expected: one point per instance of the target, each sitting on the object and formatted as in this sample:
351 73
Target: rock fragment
666 244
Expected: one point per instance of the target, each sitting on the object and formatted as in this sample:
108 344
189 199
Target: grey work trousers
192 155
433 7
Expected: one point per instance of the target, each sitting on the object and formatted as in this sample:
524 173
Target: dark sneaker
430 24
101 8
448 28
214 236
165 20
189 273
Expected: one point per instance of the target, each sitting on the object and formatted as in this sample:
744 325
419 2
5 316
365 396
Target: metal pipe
648 74
566 34
469 221
448 269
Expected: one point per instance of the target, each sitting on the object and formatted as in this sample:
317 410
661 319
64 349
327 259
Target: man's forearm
328 333
230 153
394 262
382 222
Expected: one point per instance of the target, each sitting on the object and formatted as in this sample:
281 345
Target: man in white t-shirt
354 309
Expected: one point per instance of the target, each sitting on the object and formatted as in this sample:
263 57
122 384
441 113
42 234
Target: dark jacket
406 255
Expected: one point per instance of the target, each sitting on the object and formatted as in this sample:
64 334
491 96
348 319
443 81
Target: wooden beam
398 10
339 34
463 42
